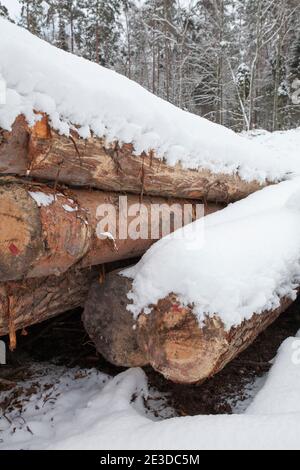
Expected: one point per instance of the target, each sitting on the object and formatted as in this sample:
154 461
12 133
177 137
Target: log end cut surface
184 351
20 232
109 324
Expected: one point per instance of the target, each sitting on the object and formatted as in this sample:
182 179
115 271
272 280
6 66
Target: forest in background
235 62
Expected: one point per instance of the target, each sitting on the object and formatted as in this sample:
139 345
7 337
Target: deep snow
74 91
98 412
234 263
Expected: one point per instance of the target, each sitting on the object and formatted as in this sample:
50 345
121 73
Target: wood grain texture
27 302
38 240
43 154
111 327
170 338
184 352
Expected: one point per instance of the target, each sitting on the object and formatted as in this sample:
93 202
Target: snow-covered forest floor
57 393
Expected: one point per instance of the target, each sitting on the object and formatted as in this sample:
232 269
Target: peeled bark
44 231
42 153
170 338
25 303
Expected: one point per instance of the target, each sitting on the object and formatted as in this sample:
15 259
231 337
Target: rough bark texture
110 326
42 153
38 239
182 351
25 303
170 338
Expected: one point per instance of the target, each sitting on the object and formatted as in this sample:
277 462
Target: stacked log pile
50 189
51 253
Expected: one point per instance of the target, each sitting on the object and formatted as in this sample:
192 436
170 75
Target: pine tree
62 39
101 30
4 11
295 61
243 78
32 16
70 13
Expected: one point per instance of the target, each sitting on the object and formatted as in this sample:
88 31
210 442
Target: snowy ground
285 144
79 409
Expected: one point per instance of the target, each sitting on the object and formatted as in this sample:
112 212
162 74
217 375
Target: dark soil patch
63 342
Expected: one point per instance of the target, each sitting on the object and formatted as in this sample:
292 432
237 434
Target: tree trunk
42 153
25 303
45 231
170 338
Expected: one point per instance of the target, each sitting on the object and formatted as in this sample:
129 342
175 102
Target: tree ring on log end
20 232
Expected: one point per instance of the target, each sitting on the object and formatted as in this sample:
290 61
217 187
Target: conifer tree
295 60
32 16
101 30
4 11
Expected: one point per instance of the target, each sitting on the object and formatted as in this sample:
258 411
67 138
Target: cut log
110 326
42 153
25 303
185 352
170 338
45 231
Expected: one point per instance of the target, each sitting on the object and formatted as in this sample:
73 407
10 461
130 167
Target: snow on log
185 352
195 308
170 338
45 231
130 139
27 302
40 152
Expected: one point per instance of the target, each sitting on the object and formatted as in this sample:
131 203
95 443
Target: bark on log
42 153
25 303
170 338
44 238
177 347
109 324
